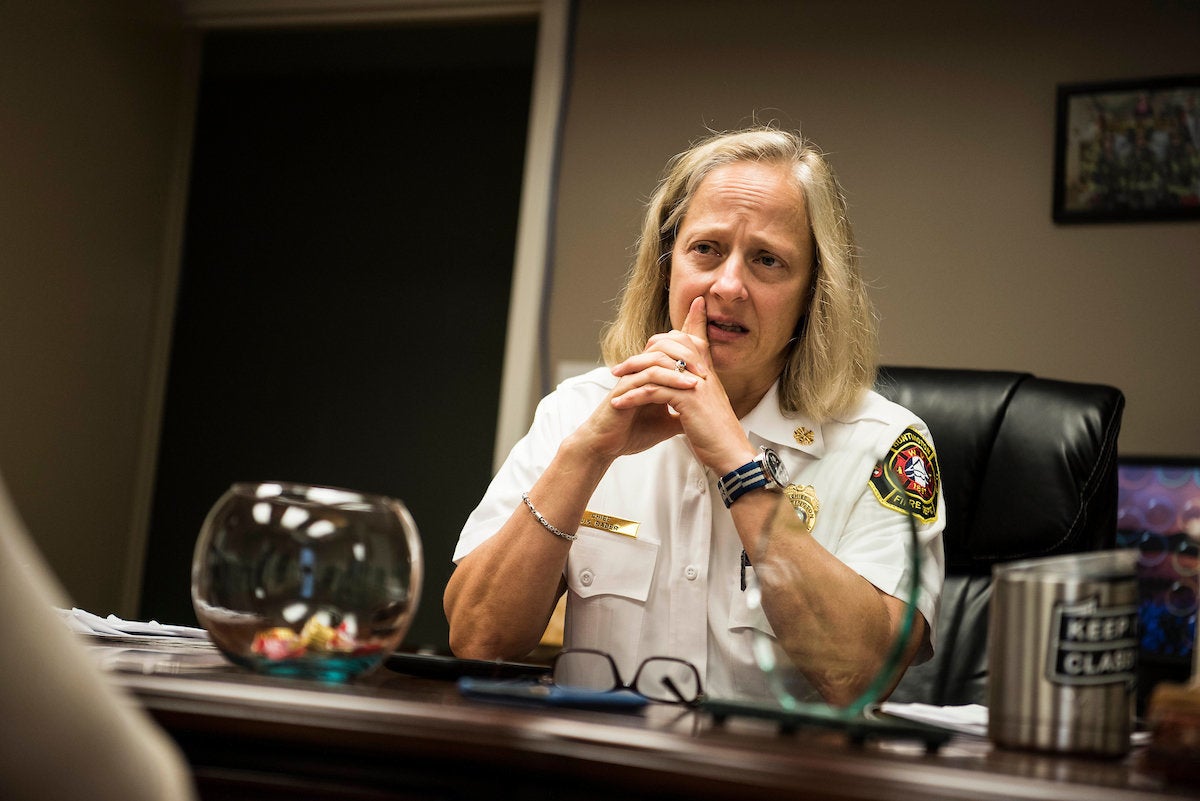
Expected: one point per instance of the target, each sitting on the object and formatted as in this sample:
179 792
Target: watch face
773 467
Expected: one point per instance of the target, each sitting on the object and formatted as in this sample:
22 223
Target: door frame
521 382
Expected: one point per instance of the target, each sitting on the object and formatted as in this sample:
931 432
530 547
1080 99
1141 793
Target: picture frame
1128 151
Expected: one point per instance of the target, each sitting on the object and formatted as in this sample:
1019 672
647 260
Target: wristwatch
765 472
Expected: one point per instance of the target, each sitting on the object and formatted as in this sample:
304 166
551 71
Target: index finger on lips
696 322
695 325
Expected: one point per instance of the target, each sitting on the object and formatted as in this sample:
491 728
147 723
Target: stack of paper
113 626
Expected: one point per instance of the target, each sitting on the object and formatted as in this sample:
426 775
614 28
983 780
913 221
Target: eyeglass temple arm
670 685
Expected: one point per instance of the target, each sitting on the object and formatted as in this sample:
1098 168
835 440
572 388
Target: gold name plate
616 525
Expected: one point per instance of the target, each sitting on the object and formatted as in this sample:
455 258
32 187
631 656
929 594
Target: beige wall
940 123
939 117
89 101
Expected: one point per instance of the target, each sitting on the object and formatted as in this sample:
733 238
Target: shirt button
586 577
691 572
701 486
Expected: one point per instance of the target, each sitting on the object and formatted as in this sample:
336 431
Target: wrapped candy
316 637
278 643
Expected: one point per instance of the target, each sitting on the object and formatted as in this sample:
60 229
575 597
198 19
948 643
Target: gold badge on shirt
617 525
804 436
804 501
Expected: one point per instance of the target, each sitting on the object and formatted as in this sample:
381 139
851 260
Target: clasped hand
655 400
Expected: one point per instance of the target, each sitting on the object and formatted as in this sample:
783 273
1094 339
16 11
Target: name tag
626 528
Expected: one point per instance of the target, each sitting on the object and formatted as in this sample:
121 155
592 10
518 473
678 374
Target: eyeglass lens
665 679
586 670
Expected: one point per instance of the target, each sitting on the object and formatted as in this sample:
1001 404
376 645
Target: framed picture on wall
1128 151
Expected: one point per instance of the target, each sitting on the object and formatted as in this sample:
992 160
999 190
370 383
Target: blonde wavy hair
832 359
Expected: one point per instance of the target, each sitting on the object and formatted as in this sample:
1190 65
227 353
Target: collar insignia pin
804 436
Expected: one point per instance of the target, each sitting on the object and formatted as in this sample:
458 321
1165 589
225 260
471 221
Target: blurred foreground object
1174 720
69 733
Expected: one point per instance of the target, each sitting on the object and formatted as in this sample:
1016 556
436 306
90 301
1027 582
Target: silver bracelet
549 527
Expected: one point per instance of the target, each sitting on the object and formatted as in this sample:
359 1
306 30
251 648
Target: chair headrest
1028 464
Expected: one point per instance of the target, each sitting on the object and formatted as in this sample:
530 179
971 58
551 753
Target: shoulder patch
913 461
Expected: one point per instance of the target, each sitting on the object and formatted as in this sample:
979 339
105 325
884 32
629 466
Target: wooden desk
396 736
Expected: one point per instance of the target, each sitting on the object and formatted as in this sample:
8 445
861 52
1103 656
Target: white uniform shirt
675 589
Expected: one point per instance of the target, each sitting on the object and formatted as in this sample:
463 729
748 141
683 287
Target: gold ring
680 366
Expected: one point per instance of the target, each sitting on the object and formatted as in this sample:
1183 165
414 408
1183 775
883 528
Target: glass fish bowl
306 581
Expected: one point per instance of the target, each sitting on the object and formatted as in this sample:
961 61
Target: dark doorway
345 284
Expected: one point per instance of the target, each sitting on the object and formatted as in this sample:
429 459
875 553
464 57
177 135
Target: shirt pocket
747 617
609 578
610 564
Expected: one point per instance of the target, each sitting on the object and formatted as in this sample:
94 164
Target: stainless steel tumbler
1062 653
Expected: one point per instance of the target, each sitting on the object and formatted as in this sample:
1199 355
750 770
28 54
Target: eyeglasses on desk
659 678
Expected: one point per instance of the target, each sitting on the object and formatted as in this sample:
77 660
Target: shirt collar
767 422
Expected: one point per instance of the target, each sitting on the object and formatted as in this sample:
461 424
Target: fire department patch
914 468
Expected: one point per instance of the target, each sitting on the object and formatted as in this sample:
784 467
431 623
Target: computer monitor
1158 513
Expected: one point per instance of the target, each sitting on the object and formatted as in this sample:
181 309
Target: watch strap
737 483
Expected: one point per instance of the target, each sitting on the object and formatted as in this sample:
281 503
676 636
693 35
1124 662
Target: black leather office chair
1029 468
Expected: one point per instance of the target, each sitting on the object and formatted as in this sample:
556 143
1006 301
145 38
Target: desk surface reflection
391 735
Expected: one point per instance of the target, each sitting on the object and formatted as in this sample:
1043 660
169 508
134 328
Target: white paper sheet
967 719
112 626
